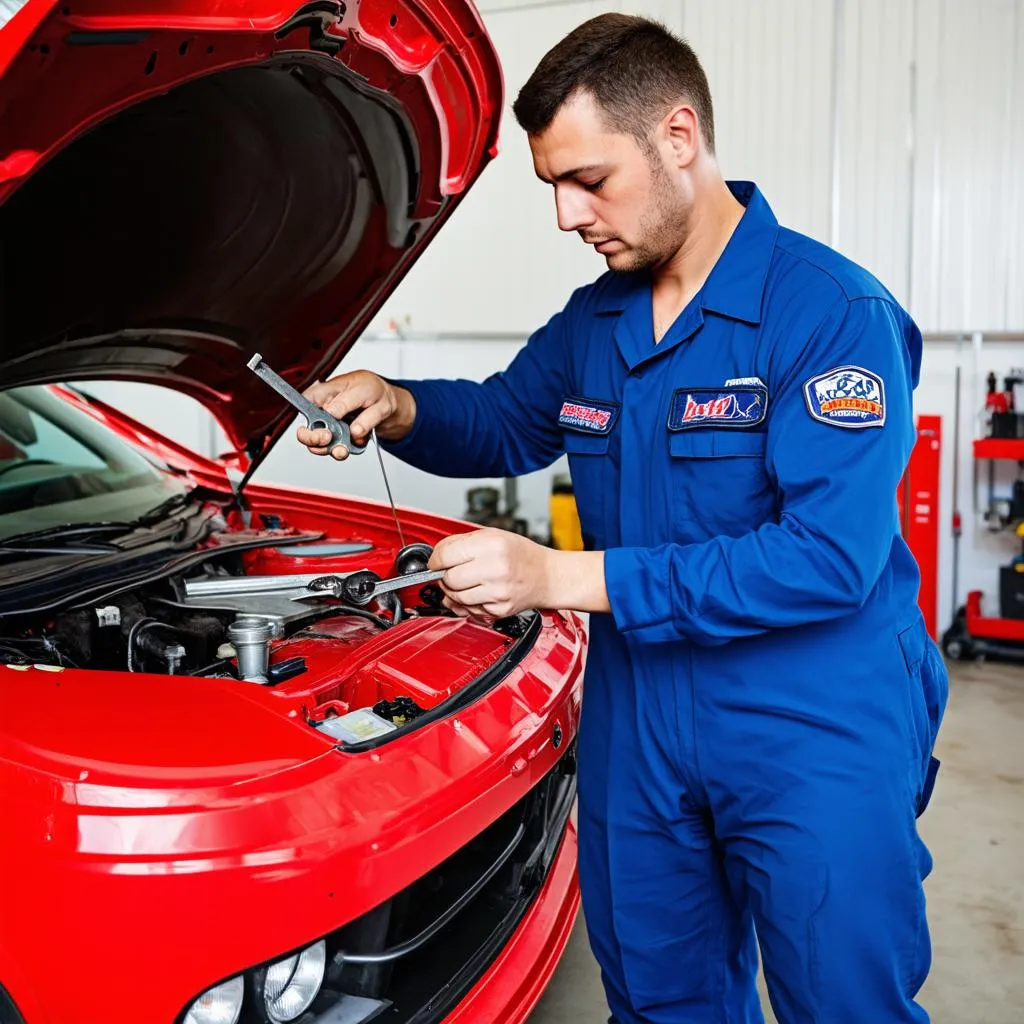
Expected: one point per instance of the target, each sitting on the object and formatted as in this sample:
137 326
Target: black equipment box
1011 593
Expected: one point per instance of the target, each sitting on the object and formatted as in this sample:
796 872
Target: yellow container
565 519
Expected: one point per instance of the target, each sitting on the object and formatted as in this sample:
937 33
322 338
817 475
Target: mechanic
761 696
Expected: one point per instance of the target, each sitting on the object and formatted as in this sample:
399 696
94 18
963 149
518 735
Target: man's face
622 199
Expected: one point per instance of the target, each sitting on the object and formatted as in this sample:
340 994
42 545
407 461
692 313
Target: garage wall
893 129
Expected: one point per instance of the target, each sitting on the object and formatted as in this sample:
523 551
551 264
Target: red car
231 788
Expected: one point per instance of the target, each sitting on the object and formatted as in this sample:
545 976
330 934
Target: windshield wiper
157 514
85 538
58 534
58 549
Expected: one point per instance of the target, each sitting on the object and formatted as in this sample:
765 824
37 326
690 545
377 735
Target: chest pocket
719 484
593 467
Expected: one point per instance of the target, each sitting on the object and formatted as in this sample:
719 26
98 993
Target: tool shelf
1010 448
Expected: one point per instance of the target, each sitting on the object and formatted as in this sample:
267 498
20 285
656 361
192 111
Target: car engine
215 621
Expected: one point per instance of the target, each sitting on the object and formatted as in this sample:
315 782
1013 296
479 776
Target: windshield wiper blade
22 541
36 540
99 548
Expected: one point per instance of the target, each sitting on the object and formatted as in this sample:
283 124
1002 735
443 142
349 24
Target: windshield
58 467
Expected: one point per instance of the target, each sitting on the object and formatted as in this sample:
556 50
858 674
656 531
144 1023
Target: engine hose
132 634
396 605
341 610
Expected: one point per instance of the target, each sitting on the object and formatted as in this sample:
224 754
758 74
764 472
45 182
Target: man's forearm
575 580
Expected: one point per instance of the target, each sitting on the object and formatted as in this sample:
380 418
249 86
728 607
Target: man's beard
663 227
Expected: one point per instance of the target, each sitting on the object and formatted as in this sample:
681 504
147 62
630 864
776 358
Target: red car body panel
112 837
163 833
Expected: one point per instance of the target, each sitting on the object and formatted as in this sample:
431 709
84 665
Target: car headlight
290 985
221 1004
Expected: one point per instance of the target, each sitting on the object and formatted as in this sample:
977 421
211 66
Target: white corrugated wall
892 129
770 70
8 9
969 214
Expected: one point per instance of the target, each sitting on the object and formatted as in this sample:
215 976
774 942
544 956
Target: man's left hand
493 573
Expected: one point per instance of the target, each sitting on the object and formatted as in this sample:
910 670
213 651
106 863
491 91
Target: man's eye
594 186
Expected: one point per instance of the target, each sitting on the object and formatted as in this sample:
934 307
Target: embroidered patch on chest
718 407
847 396
588 415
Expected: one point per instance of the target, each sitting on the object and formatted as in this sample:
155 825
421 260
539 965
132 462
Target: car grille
419 953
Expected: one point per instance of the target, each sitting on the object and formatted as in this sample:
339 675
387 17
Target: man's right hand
389 409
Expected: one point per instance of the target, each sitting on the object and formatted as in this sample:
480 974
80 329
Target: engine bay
196 624
355 671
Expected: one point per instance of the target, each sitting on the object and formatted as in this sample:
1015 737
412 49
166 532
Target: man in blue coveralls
735 402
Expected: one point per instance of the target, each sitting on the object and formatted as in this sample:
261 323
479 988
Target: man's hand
389 409
491 574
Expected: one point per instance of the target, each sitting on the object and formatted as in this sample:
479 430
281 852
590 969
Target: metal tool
237 585
362 587
316 418
387 487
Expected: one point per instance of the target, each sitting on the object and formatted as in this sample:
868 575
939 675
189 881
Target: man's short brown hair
634 68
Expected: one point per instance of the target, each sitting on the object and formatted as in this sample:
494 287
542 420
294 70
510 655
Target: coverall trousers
698 826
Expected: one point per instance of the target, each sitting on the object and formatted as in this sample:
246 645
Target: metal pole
838 19
956 491
911 159
511 495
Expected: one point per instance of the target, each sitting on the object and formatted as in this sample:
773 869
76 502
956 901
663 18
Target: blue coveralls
761 705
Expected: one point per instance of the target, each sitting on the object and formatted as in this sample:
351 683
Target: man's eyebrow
574 173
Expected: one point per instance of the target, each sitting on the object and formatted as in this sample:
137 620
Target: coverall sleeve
837 513
506 425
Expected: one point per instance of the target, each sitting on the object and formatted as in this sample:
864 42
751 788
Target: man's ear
681 130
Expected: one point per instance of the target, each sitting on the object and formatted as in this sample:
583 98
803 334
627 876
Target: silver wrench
316 418
362 587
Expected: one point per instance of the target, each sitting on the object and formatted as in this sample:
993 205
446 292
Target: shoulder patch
847 396
588 415
727 406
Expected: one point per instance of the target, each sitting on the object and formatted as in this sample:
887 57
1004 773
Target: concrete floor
975 830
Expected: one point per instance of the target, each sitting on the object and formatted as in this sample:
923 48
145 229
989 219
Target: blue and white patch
742 407
847 396
588 415
756 381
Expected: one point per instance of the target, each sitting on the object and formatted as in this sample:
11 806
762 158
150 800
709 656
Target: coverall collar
734 288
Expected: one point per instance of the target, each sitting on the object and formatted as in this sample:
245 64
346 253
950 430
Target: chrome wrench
362 587
316 418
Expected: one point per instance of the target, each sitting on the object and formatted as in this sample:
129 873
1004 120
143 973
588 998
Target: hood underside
180 190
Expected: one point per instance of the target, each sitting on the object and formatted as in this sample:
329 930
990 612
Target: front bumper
515 981
475 938
181 889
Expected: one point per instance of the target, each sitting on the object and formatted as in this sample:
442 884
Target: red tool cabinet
918 496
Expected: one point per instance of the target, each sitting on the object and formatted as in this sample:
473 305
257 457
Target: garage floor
975 830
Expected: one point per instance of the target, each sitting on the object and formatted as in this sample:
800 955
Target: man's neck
713 220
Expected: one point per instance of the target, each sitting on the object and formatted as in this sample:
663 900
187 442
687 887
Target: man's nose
573 209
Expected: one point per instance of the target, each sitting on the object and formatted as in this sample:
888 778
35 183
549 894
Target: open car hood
184 183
